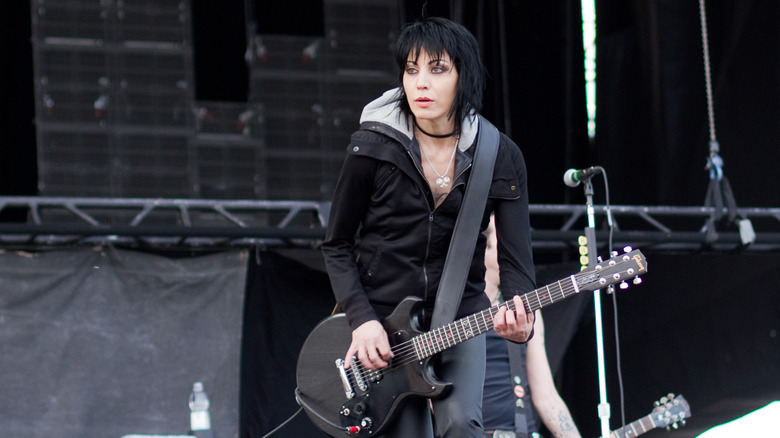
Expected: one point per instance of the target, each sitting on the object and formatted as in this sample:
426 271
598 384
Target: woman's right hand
369 342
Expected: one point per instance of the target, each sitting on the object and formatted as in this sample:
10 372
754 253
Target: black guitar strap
524 419
464 237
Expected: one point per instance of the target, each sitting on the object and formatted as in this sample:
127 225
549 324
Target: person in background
506 387
394 210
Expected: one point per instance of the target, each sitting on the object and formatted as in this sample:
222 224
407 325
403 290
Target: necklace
443 180
454 131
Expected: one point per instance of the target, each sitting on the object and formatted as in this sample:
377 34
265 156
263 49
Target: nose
422 81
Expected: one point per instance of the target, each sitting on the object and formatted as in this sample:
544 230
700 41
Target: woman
395 207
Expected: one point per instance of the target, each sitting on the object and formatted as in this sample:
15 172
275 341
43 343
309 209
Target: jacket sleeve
513 230
350 200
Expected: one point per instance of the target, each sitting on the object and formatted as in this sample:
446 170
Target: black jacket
385 240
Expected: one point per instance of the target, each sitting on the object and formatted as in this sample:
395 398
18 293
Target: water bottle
200 419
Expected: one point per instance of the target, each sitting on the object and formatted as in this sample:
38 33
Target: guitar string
405 352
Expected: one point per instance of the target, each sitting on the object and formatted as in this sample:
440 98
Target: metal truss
189 224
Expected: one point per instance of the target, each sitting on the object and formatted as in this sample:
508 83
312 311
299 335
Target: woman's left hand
516 326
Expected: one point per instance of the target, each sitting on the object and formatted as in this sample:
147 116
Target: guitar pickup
348 391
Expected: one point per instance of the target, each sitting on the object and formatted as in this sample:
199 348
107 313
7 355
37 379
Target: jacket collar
385 110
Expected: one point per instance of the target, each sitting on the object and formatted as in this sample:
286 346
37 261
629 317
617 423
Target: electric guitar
670 411
358 402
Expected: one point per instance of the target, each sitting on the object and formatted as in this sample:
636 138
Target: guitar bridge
348 391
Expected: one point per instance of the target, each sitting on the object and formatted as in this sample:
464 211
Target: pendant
443 181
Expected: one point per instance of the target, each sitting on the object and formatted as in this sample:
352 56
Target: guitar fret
423 344
473 325
538 298
432 341
560 286
417 349
630 430
443 338
549 294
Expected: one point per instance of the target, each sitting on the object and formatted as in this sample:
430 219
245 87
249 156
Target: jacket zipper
430 223
430 227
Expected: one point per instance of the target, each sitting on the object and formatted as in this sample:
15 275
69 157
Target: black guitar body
371 408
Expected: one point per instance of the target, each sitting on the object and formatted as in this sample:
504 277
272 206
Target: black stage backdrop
287 295
101 343
701 325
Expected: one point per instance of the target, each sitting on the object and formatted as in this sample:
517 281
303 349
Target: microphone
574 177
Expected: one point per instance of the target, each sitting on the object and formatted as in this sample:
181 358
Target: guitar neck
442 338
635 428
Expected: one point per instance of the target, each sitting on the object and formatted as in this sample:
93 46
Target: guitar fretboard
636 428
442 338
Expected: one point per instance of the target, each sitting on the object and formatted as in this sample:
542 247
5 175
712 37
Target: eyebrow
432 61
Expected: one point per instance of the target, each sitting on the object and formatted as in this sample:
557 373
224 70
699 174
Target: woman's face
430 85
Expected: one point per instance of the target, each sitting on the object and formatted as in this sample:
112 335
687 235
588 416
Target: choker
454 131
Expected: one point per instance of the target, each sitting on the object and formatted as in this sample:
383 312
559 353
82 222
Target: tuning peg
637 280
611 289
613 254
627 249
623 285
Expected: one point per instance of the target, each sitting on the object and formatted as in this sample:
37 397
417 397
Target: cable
707 70
303 404
276 429
611 226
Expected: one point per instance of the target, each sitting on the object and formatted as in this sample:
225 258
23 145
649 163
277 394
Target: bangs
435 43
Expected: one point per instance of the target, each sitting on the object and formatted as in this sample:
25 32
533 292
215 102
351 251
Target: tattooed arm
548 403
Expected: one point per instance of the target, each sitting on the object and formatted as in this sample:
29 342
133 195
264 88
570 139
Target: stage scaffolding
202 224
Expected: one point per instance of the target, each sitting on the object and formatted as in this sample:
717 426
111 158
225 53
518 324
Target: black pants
460 413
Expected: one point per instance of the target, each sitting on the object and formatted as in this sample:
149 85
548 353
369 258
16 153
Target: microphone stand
590 235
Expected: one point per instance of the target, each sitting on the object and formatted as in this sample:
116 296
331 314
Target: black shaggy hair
437 36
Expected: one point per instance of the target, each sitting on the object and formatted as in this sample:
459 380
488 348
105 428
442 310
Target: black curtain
287 295
105 342
652 124
701 325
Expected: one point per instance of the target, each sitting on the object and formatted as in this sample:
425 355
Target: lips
423 102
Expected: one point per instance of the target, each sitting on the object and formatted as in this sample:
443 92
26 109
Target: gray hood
385 110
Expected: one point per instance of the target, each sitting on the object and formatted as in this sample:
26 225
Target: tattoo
565 421
560 423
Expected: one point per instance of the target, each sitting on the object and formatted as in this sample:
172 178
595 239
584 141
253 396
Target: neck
429 134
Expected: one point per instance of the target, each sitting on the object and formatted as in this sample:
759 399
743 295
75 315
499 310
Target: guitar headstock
618 269
670 412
